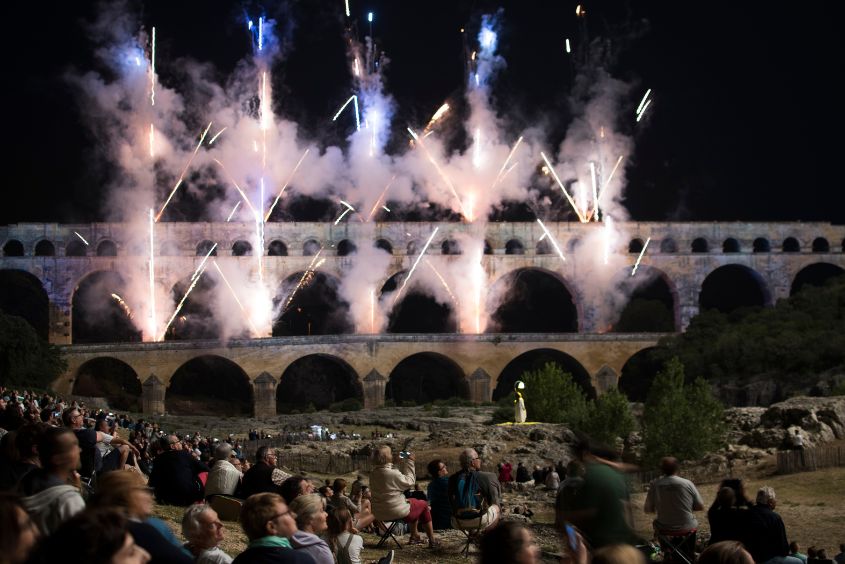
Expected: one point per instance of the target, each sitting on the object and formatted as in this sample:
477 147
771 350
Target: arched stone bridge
481 360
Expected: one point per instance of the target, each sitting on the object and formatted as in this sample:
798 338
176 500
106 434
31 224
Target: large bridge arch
652 304
532 300
109 378
309 303
420 308
424 377
98 311
318 379
816 274
23 295
638 373
209 385
534 360
196 319
733 286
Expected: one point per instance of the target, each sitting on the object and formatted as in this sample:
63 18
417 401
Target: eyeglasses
277 515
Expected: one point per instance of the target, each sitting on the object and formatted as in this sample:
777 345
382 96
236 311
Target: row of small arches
107 248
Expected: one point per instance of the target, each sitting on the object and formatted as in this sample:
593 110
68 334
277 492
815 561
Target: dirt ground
811 504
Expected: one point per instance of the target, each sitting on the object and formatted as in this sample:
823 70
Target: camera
404 454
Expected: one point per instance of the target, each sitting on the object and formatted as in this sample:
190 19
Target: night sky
745 123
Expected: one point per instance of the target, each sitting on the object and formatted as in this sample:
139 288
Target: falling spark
201 266
311 267
81 237
235 295
287 181
357 114
504 164
152 140
477 81
153 320
385 208
442 281
579 11
643 101
552 240
260 33
373 138
346 211
639 258
507 172
216 135
184 170
343 107
181 303
543 236
383 192
125 307
356 68
560 184
373 311
437 115
568 48
234 209
607 235
642 113
439 171
241 192
476 154
612 172
595 191
347 8
259 229
414 267
472 57
153 69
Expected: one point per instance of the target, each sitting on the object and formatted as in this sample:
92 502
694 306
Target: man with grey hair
224 478
765 535
475 496
204 531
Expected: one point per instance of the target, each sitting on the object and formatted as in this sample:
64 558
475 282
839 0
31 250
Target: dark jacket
161 550
258 479
272 555
175 478
522 474
488 486
765 535
726 523
438 499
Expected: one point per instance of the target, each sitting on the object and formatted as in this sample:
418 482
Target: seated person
474 496
175 475
269 525
93 443
264 476
224 478
295 486
438 495
204 531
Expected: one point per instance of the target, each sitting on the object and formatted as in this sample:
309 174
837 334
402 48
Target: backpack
468 501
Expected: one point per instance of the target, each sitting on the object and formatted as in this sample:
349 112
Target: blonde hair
115 489
306 508
257 510
382 455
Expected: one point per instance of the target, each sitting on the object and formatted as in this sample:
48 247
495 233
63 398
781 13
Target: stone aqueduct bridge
682 254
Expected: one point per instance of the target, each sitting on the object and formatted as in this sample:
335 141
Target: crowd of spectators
83 485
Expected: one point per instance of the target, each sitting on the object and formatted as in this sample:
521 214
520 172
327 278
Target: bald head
669 465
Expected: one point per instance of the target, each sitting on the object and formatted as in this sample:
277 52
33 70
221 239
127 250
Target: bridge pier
264 396
152 396
59 332
374 388
480 389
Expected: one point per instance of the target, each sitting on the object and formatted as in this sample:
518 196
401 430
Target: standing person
388 483
52 491
269 524
674 499
765 534
438 495
204 532
520 415
175 475
311 521
474 496
505 472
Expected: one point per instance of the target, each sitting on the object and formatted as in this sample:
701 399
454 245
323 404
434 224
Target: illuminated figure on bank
519 414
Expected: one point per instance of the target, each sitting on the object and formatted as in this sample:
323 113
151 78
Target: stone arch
209 385
411 248
450 247
106 248
514 247
821 245
425 377
816 274
203 248
488 248
311 247
346 248
668 246
730 245
170 249
110 378
277 248
532 300
761 245
700 245
536 359
98 316
791 245
23 295
45 248
315 308
733 286
76 248
13 248
241 248
652 304
543 247
196 319
318 379
418 310
638 373
384 245
635 246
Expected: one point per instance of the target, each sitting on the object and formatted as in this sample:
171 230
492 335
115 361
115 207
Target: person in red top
506 472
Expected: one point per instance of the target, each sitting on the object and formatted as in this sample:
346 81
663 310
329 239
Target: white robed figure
520 414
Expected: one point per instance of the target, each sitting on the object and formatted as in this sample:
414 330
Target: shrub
608 417
349 404
25 359
552 396
442 412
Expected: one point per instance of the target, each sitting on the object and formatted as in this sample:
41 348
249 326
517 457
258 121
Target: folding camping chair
388 532
678 546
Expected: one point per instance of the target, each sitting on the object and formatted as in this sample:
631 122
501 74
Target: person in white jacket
388 483
51 493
